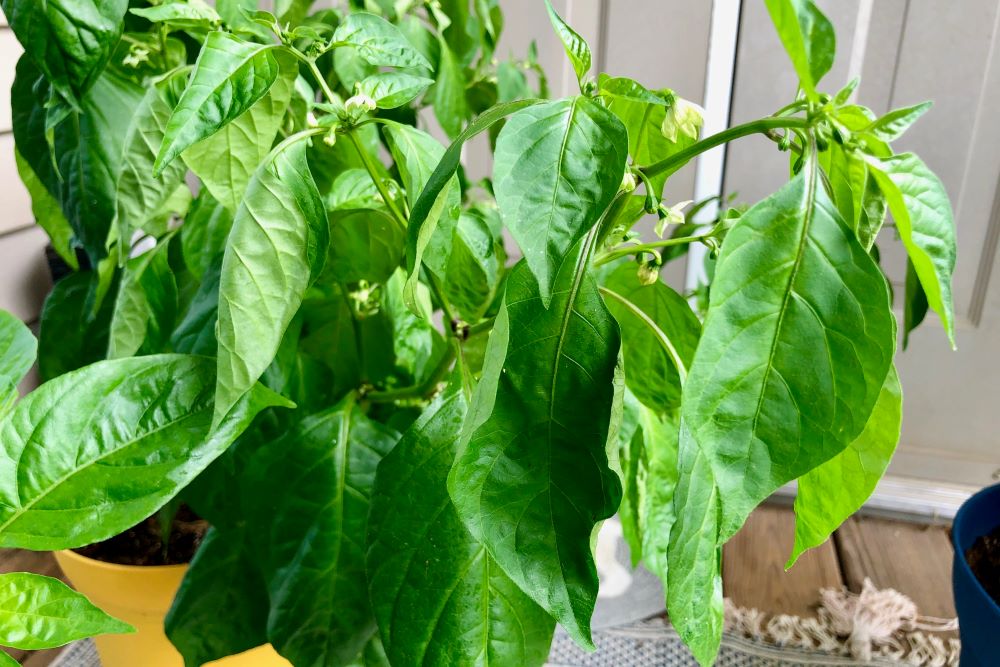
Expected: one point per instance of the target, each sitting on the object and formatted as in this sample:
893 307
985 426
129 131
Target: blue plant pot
978 613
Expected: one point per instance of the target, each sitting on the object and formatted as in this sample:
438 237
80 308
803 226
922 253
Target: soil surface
984 559
142 544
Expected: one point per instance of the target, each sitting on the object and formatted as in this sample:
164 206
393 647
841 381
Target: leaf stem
614 254
422 391
677 160
311 64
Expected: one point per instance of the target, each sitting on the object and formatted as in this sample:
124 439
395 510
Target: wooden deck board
753 566
913 559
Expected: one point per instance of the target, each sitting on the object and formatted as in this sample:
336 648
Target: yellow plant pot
141 596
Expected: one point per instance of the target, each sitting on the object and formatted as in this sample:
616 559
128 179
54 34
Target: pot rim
958 525
69 554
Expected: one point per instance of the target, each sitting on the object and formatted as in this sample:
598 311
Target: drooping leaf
38 612
797 343
146 306
474 267
628 89
71 336
533 479
416 342
353 189
659 336
221 607
95 451
390 90
70 41
827 495
276 248
450 106
922 212
225 162
847 175
229 77
576 47
429 203
425 569
191 14
659 473
378 42
892 125
312 551
204 233
571 152
19 350
808 38
915 304
48 215
873 208
195 334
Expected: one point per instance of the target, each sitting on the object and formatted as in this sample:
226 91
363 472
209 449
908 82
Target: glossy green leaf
19 350
830 493
95 451
926 225
847 175
425 569
873 209
807 36
146 305
658 474
474 267
659 335
892 125
390 90
353 189
576 47
572 153
365 244
450 107
204 233
69 40
915 304
416 342
427 201
48 215
797 343
38 612
191 14
222 605
533 480
141 196
276 248
628 89
71 336
195 334
229 77
378 42
225 162
312 551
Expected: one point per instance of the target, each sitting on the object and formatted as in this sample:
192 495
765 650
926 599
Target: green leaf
830 493
416 343
191 14
807 36
847 175
576 47
427 206
69 40
378 42
797 342
71 336
658 476
659 335
221 607
48 214
19 351
892 125
141 196
915 306
571 152
196 332
353 189
390 90
534 480
873 207
275 250
628 89
425 569
95 451
204 233
365 244
926 225
312 553
474 266
225 161
146 305
229 77
88 149
450 107
38 612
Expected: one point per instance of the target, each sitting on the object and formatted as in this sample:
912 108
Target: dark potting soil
984 559
142 544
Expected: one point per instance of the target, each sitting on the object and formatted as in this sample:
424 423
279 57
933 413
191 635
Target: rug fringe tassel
874 623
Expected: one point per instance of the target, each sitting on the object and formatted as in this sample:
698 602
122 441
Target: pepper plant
291 308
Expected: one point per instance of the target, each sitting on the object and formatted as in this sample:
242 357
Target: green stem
612 255
681 158
311 64
422 391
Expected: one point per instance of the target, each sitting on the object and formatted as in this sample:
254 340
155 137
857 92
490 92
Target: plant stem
612 255
424 390
377 180
311 64
681 158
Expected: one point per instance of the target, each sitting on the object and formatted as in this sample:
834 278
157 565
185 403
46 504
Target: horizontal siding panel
16 211
24 276
10 51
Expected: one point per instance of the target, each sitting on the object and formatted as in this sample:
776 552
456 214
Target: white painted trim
908 498
711 167
859 47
